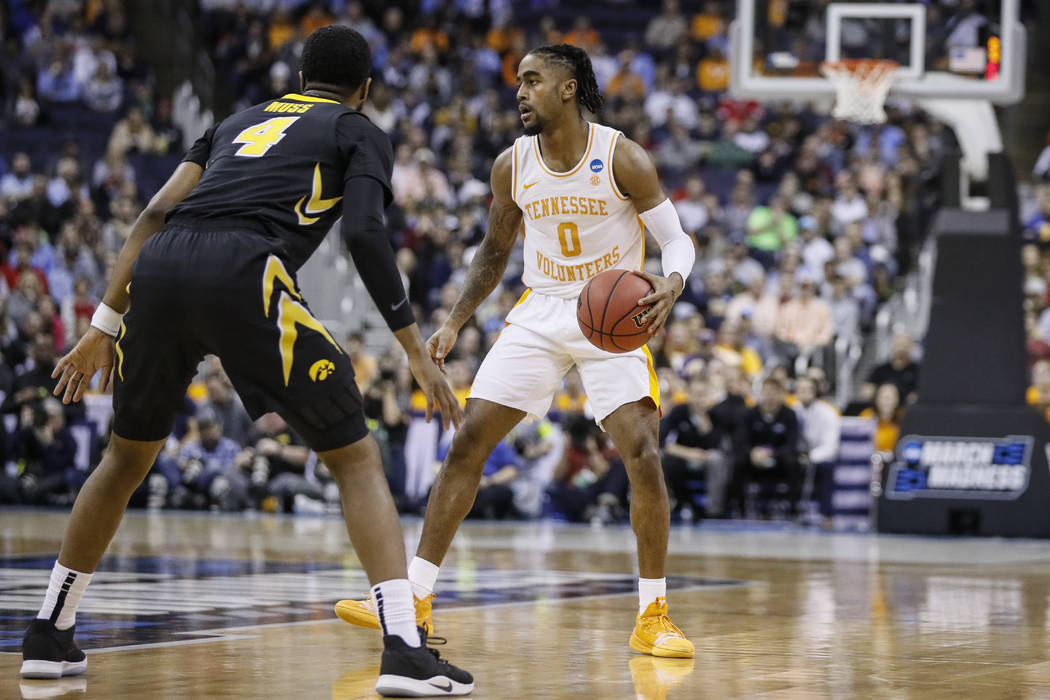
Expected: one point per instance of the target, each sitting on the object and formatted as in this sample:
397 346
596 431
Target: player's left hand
439 395
94 352
666 291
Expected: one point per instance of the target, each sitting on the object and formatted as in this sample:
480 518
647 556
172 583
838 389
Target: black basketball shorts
226 292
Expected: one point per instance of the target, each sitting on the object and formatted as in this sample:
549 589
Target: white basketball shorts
541 342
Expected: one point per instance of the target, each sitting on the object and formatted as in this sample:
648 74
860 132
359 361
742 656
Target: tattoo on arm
489 263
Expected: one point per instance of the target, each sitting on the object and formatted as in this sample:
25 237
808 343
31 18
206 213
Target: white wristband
106 320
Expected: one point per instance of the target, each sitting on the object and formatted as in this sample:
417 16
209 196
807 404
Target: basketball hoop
861 87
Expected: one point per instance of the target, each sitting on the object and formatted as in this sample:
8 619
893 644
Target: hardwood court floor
191 606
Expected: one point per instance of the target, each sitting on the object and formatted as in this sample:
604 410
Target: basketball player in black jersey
210 268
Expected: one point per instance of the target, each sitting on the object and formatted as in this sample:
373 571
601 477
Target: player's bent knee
644 462
355 457
134 457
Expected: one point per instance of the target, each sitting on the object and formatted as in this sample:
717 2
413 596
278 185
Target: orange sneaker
363 613
655 634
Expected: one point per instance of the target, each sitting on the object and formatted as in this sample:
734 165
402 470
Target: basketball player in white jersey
582 191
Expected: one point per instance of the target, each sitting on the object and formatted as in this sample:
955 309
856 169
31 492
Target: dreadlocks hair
578 63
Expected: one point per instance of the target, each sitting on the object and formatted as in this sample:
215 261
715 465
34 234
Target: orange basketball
608 311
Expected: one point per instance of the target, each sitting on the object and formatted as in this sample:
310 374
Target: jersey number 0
569 237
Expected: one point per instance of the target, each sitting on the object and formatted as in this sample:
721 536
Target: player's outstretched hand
441 344
437 391
75 370
666 291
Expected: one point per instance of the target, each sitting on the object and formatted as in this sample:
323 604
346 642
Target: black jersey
280 168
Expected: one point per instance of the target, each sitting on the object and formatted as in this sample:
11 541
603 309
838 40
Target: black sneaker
48 652
418 672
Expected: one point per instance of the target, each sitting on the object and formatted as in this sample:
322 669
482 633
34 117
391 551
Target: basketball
608 311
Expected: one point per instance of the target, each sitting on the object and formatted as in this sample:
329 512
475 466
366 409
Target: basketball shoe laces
664 628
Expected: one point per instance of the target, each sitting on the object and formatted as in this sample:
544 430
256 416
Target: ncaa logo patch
597 165
320 370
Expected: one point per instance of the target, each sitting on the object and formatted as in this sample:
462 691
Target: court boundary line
220 634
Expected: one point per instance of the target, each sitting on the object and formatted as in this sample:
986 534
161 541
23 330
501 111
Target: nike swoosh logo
398 305
316 205
443 688
529 185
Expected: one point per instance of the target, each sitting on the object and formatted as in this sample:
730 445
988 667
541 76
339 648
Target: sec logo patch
320 370
595 179
597 165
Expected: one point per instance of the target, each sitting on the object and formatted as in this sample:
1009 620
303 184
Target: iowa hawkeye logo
320 370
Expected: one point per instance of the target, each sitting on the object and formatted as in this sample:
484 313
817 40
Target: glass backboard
972 49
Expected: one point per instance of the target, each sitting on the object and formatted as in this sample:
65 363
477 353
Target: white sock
396 609
64 592
649 589
423 576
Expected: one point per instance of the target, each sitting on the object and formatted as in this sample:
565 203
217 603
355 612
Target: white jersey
577 223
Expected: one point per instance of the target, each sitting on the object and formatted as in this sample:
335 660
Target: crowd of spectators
802 223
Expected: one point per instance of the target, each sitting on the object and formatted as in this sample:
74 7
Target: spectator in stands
679 153
132 134
1038 394
768 447
816 250
708 22
712 73
417 180
67 183
211 467
804 326
626 84
845 311
590 482
18 265
759 304
26 108
732 352
279 469
58 83
667 28
820 427
769 228
495 499
230 415
583 33
44 448
691 210
17 184
693 447
670 102
316 17
849 206
386 403
105 91
901 370
365 364
282 28
1037 227
888 413
752 137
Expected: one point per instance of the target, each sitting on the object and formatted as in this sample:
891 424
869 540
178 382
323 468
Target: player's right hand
75 370
438 393
441 343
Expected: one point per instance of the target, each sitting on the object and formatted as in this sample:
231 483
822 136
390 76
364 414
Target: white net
861 88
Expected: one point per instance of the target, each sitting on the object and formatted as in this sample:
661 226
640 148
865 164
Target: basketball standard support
972 457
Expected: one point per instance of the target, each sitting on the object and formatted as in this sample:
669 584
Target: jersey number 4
262 137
